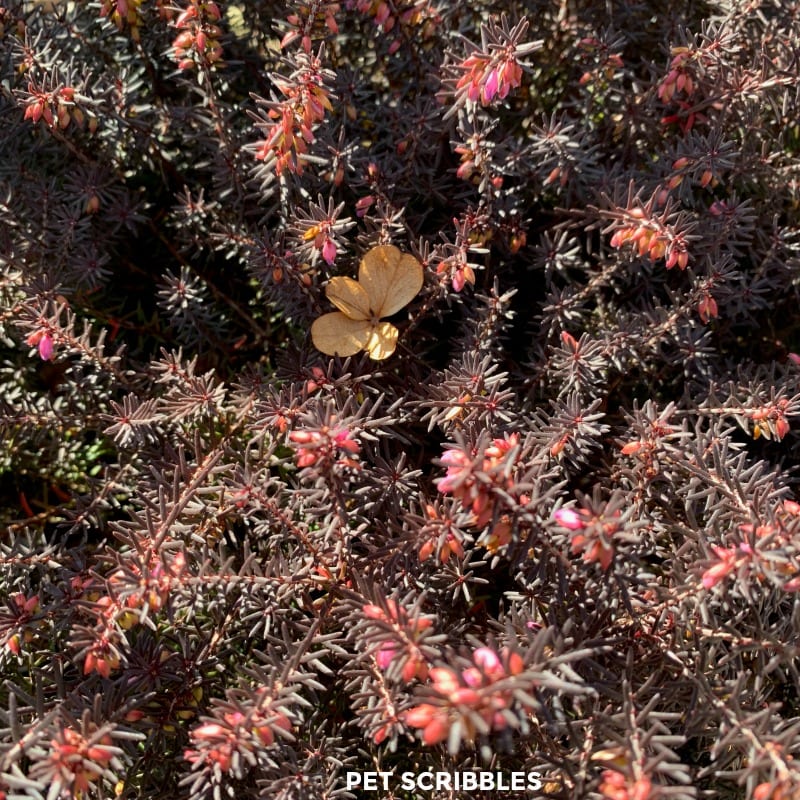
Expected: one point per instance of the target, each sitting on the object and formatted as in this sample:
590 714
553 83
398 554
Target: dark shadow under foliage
555 531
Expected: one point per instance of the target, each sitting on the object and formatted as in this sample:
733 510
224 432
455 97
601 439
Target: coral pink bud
420 716
413 668
675 181
454 458
515 664
264 734
631 447
100 754
444 680
569 340
306 459
436 731
465 170
372 611
620 237
791 507
465 696
707 308
344 442
553 176
727 564
184 18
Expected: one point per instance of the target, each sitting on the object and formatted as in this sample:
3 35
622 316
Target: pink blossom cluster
440 537
616 786
42 340
198 40
785 788
56 108
322 236
458 269
489 76
748 557
592 533
223 742
388 15
402 647
133 591
770 420
21 612
324 447
474 478
651 237
679 85
289 135
462 695
156 578
124 13
306 18
76 762
679 78
103 655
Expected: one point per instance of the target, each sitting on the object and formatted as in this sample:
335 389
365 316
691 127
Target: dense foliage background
554 531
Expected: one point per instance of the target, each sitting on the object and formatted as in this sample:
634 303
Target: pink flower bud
569 518
46 347
488 660
385 656
329 251
490 87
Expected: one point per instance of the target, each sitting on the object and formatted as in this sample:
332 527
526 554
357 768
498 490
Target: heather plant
399 386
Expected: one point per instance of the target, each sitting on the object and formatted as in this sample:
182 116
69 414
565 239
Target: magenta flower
43 341
569 518
329 251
